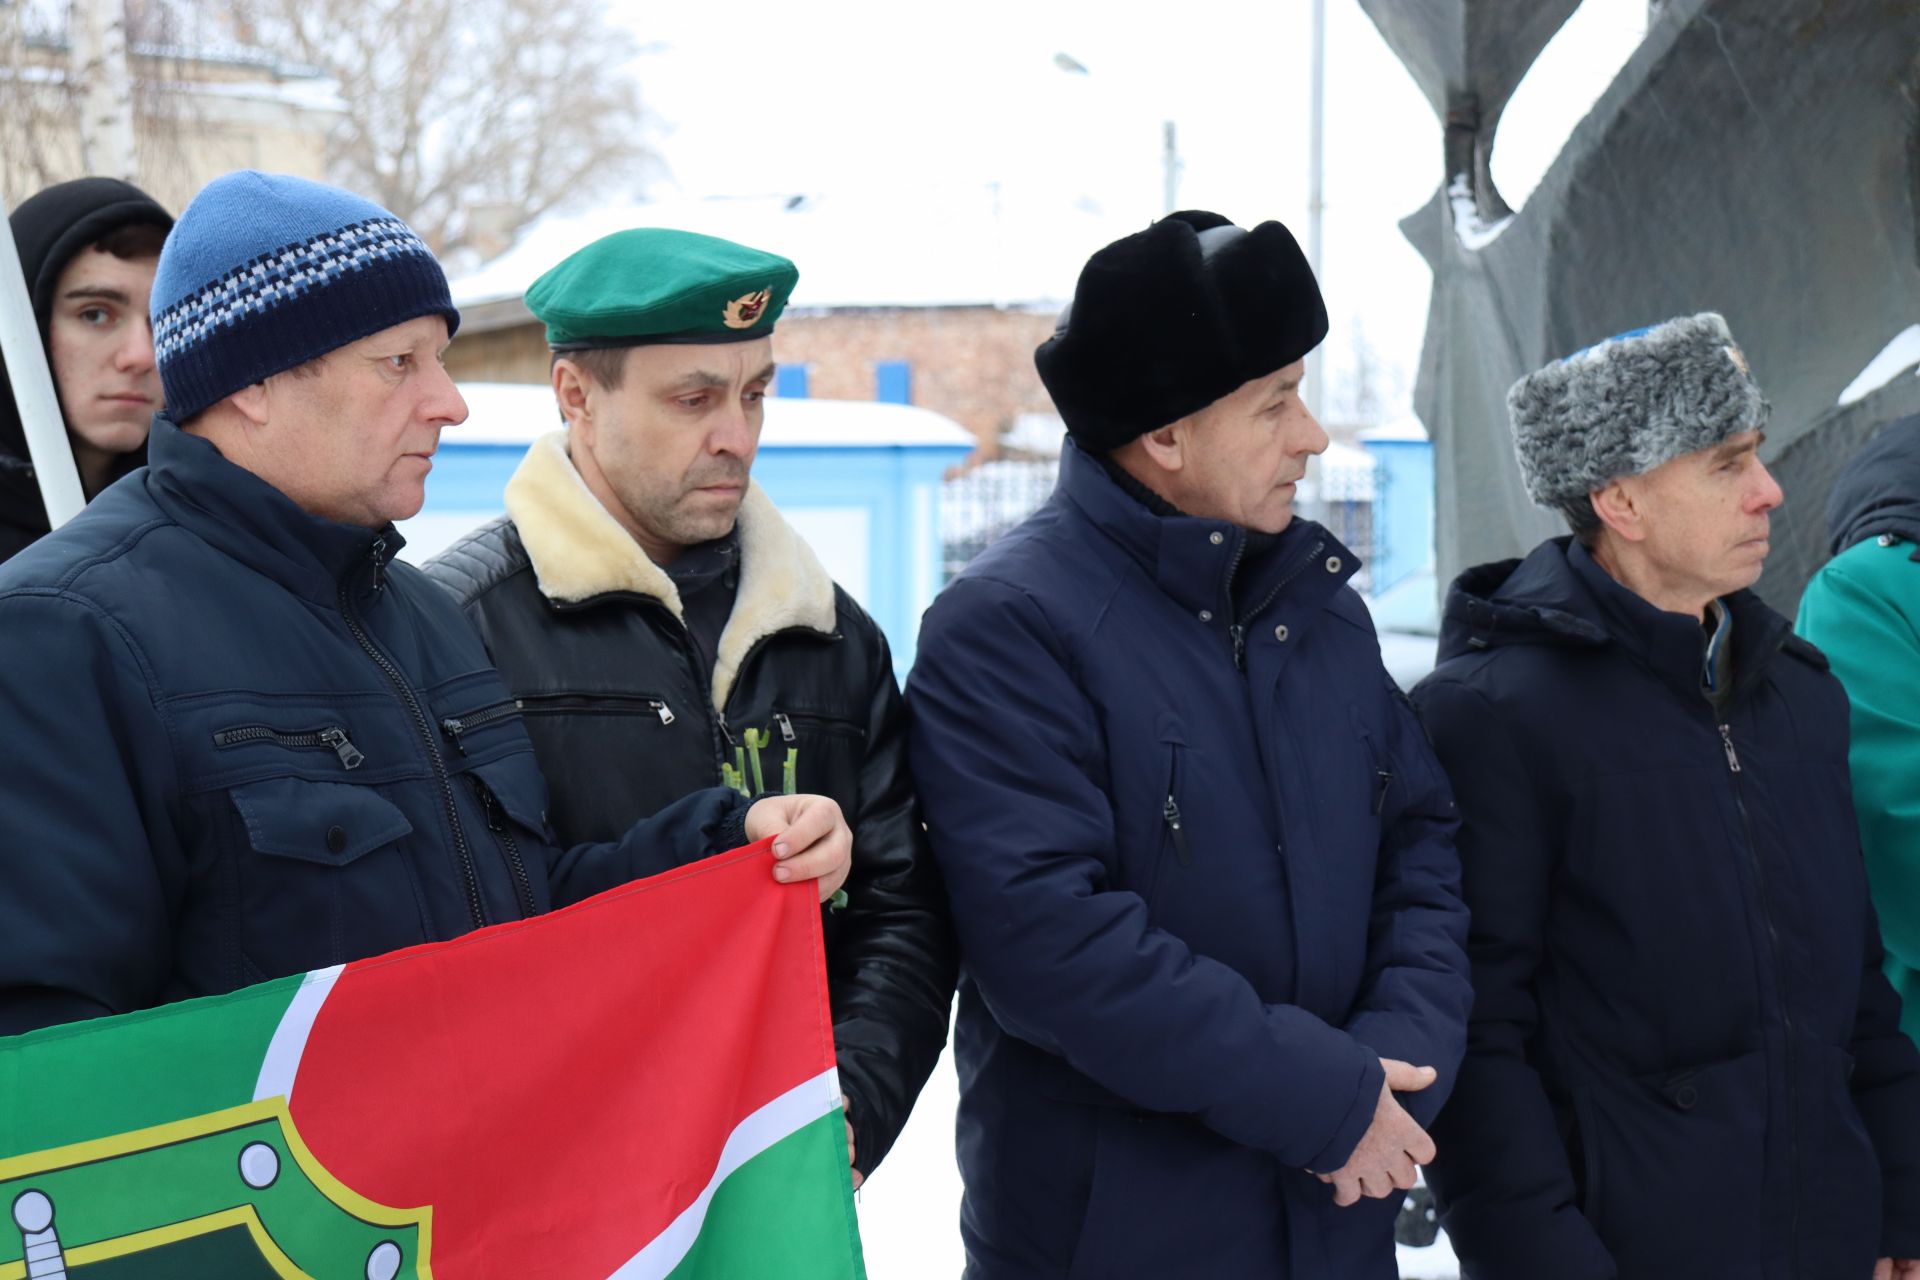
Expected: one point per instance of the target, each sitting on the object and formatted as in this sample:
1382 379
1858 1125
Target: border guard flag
640 1085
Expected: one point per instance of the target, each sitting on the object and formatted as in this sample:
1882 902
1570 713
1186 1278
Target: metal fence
980 505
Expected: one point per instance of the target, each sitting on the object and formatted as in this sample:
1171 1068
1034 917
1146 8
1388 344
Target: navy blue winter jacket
1684 1060
1201 864
241 742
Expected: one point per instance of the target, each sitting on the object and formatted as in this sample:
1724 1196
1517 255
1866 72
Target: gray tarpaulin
1753 157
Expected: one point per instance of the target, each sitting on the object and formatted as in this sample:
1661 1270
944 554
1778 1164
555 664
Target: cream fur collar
578 551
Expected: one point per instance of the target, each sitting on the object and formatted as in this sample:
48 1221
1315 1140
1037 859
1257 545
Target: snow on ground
910 1211
1896 358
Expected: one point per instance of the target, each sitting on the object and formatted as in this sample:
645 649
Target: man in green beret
663 627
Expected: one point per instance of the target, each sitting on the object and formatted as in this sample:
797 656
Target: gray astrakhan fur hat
1630 403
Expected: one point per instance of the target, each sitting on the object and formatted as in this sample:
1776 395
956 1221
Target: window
790 381
893 382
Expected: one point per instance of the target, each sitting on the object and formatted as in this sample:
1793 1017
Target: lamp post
1316 192
1169 140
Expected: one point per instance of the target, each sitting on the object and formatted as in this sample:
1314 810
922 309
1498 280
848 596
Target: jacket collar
20 502
1674 645
256 524
1197 560
580 554
1559 595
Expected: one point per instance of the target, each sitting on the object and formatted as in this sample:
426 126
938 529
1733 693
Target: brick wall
973 364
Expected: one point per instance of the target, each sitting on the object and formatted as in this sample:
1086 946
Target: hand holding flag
810 839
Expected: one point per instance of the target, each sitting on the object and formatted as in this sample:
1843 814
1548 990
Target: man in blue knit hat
243 741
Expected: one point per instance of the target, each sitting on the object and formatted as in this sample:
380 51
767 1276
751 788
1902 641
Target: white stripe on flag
785 1115
290 1037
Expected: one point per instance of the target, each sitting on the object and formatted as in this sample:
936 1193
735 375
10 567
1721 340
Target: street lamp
1169 140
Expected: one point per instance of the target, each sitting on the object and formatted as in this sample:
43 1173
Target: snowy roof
517 413
968 247
304 93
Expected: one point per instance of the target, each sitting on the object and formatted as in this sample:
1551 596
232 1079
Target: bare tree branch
512 106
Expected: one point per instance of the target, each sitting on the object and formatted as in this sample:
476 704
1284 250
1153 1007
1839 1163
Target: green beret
654 284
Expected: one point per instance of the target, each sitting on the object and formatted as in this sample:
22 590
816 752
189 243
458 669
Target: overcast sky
886 97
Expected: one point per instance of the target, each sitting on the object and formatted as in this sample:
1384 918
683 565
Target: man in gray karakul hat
1684 1059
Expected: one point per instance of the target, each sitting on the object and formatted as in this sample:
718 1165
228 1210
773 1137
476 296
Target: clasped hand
1394 1145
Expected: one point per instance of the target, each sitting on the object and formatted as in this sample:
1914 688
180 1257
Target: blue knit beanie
264 272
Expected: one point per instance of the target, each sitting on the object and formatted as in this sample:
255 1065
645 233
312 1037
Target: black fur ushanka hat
1167 320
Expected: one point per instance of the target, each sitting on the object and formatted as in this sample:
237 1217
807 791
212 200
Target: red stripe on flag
559 1089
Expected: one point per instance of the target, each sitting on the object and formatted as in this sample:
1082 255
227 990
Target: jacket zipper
592 704
496 817
1239 629
1773 951
463 854
455 726
1171 812
332 737
824 724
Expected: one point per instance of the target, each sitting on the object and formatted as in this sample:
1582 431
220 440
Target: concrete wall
1754 157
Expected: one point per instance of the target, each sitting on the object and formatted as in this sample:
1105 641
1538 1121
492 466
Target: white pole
26 359
1169 168
1316 194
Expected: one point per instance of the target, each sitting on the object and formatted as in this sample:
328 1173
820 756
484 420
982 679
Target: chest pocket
327 823
319 878
819 753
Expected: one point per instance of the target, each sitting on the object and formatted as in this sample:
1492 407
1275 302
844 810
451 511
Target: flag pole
33 393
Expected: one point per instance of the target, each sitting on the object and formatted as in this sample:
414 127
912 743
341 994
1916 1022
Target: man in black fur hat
1199 854
88 248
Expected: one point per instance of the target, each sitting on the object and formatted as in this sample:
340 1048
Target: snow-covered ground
910 1211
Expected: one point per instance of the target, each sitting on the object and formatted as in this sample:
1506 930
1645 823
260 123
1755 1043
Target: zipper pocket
818 724
1171 813
456 726
1382 776
497 822
333 737
602 704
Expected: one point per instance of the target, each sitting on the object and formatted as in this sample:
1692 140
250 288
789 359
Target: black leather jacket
621 710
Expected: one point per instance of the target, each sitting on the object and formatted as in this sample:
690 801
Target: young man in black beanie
1199 855
88 249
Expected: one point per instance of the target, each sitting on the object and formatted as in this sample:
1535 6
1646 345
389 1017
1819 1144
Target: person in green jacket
1863 610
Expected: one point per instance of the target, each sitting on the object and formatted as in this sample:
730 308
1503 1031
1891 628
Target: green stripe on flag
70 1083
777 1216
